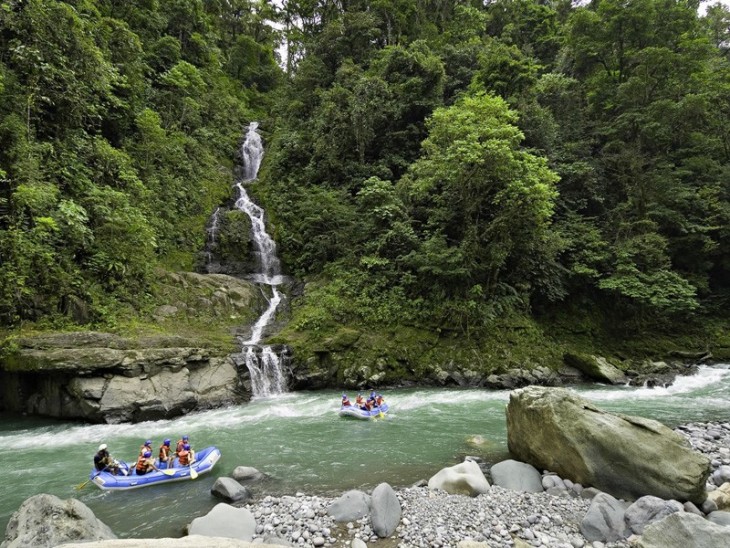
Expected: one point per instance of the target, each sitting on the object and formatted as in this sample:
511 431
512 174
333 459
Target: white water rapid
267 377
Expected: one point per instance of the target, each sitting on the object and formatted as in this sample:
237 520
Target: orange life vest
141 464
183 457
358 400
179 446
379 400
164 452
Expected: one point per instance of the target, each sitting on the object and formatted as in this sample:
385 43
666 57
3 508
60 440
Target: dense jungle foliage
434 163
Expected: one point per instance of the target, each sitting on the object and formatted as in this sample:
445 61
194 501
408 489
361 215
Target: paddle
82 485
193 473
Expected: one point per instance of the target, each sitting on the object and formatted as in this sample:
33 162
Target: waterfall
267 377
210 242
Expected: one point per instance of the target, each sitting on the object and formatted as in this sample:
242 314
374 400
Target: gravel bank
435 519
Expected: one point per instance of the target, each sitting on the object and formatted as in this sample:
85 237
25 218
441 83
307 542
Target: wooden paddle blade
81 485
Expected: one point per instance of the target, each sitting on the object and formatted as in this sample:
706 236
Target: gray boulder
720 518
517 476
230 490
604 520
465 478
46 520
649 509
683 530
596 368
385 510
247 474
225 521
555 429
351 506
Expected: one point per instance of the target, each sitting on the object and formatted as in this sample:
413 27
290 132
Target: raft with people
372 408
126 478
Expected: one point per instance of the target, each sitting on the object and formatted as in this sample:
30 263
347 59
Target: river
303 445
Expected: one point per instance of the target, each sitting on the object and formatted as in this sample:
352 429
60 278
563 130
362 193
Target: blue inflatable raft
355 412
205 460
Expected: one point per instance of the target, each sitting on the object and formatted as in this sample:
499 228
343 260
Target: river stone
230 490
46 520
385 510
649 509
555 429
247 474
351 506
465 478
595 367
225 521
604 520
721 497
517 476
720 518
682 530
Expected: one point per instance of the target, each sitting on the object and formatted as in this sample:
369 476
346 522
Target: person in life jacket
359 401
104 461
185 439
164 456
146 446
379 400
145 463
345 401
186 456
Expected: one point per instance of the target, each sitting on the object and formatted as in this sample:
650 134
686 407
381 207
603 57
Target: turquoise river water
299 440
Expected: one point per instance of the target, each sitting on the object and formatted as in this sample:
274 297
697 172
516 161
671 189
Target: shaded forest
440 164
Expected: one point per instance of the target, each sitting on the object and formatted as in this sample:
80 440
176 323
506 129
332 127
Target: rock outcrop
629 457
46 520
681 530
102 377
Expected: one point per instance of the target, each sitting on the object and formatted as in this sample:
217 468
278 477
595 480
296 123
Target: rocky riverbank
499 518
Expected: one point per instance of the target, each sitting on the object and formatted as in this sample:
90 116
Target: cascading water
210 243
267 377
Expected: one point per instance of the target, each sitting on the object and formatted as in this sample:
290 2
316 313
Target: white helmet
102 447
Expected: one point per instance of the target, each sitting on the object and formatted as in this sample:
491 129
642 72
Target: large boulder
351 506
649 509
385 510
463 479
682 530
225 521
604 521
517 476
596 367
46 520
230 490
629 457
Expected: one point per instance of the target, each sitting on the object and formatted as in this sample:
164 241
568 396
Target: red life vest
379 400
346 403
183 457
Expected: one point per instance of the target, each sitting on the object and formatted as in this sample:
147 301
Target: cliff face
102 377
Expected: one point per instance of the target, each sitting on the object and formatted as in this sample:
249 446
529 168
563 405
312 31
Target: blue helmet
186 447
344 396
166 442
147 454
148 442
185 438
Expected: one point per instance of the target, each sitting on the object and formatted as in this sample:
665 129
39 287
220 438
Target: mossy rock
595 367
